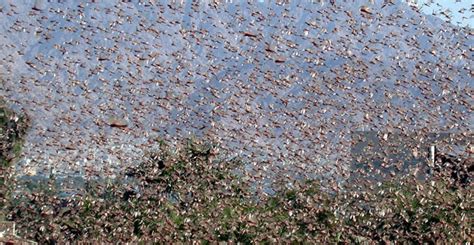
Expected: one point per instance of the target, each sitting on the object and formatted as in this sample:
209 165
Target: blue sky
435 7
453 7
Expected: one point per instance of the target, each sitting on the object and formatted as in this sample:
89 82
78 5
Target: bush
193 195
12 130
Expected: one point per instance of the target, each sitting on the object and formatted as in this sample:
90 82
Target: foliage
12 131
192 195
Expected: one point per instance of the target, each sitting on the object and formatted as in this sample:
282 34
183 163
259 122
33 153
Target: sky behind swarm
459 10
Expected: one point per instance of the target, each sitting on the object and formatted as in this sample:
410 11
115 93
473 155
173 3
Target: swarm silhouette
285 83
307 122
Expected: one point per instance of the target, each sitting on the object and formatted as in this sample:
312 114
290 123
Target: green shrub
190 194
12 130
